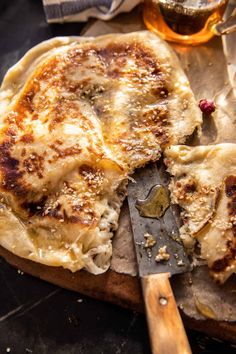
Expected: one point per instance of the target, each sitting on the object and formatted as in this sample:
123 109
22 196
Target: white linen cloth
81 10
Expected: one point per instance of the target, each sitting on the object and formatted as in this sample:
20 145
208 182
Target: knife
154 224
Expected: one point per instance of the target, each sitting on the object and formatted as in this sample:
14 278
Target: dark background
37 317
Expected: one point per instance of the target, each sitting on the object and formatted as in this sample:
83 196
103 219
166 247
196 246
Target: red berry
207 106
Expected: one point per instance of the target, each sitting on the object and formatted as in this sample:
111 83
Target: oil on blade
155 237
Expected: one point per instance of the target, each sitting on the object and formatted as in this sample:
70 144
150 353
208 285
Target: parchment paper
211 71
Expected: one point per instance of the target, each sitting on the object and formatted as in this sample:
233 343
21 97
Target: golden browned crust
76 121
204 185
228 260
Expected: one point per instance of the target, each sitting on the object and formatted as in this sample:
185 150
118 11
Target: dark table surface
37 317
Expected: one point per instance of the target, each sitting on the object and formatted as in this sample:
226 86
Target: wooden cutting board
117 288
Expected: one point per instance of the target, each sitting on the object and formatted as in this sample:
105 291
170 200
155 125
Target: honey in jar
184 21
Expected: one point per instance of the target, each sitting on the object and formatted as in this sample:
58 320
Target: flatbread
78 115
204 186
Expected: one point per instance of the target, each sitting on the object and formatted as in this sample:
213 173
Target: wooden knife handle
166 330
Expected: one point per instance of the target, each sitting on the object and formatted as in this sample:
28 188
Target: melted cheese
204 185
78 115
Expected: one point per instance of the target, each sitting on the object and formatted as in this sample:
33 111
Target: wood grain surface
166 330
120 289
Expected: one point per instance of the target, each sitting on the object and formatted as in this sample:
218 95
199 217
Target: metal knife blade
164 230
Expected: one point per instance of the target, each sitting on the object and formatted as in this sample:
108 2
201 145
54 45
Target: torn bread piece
204 186
78 115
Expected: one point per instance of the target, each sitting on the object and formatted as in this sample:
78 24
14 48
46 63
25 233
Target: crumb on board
20 272
162 254
150 241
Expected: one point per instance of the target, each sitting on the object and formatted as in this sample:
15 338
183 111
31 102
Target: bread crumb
162 254
150 241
